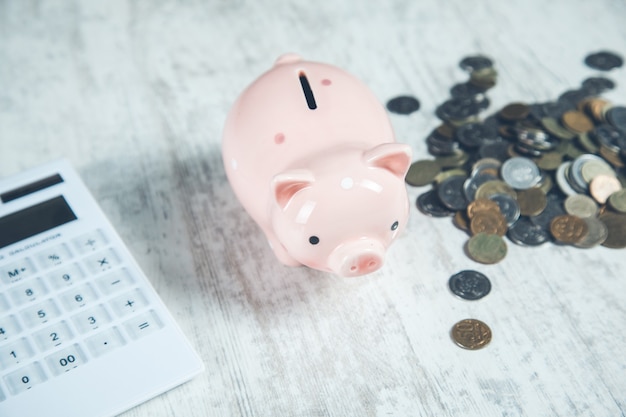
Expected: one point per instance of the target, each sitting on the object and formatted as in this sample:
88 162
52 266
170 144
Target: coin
595 167
475 62
598 232
581 206
577 121
602 186
515 111
422 172
550 161
403 105
469 284
429 204
494 187
471 334
450 192
481 204
491 222
617 201
531 201
616 116
520 173
604 60
616 225
486 249
553 126
525 232
508 207
568 229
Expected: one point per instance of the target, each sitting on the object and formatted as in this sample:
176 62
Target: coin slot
308 92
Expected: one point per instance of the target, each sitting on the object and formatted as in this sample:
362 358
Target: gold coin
422 172
486 249
617 200
576 121
471 334
531 201
491 222
494 187
569 229
602 186
616 225
481 204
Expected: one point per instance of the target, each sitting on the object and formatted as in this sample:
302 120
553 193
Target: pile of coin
533 173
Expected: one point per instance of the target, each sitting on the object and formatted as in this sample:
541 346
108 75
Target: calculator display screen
35 219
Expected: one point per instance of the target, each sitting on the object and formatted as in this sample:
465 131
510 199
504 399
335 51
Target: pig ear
286 184
394 157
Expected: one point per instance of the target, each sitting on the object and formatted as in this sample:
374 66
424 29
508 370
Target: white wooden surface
135 93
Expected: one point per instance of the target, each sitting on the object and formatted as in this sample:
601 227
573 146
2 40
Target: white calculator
82 331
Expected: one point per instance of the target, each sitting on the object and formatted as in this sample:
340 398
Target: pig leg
281 253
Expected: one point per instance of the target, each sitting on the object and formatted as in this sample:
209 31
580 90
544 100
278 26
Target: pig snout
357 258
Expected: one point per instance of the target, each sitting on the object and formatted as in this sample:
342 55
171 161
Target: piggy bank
311 156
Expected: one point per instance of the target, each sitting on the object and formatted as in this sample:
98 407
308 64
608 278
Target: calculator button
17 270
40 313
102 261
53 336
65 276
128 303
143 324
78 297
15 352
90 242
91 319
25 378
9 327
53 256
65 359
115 281
29 291
105 342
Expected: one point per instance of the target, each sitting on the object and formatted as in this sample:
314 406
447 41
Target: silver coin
451 194
562 181
508 207
429 204
520 173
469 285
577 180
598 232
474 182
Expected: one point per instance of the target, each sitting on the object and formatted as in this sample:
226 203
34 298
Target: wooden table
135 95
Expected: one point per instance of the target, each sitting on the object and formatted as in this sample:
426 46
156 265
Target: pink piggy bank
310 154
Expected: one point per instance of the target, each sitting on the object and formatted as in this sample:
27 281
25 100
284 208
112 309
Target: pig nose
358 258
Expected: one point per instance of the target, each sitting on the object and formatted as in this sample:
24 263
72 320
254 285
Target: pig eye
394 226
314 240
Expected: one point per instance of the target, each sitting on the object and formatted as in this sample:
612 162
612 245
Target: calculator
82 330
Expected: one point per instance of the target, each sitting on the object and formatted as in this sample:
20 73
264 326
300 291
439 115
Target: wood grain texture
135 95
